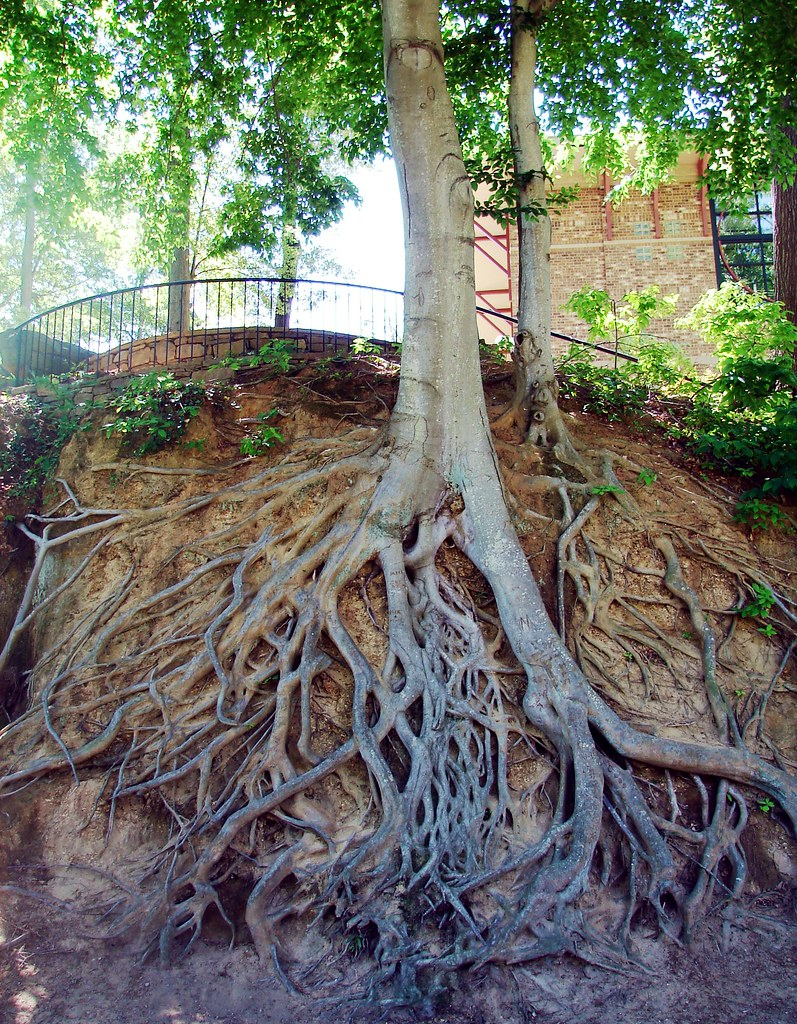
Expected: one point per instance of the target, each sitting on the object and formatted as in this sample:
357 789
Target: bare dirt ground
50 976
743 969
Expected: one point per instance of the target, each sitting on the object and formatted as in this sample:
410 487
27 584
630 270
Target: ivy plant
32 436
154 411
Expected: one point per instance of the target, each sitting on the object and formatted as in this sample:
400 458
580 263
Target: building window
743 248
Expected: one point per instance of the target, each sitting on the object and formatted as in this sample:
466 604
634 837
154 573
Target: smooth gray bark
180 294
534 405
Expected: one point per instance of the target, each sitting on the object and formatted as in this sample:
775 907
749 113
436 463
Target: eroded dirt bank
650 671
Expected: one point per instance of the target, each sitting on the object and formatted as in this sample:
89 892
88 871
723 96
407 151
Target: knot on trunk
416 54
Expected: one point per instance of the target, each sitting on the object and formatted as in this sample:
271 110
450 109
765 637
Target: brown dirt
52 971
48 975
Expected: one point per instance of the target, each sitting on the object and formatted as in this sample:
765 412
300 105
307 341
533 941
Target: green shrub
747 420
154 411
274 352
741 324
744 421
604 391
758 514
32 436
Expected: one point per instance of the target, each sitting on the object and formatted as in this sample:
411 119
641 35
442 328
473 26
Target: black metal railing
163 325
203 321
497 321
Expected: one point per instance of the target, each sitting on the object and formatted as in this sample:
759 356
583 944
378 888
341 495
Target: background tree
54 90
73 255
180 73
746 122
599 81
713 76
284 191
224 114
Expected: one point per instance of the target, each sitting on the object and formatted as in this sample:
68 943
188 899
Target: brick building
664 239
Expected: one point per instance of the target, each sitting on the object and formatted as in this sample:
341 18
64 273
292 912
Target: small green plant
762 603
627 322
264 438
768 629
274 352
759 515
647 477
197 445
605 489
356 945
364 347
154 411
498 351
259 443
766 804
661 365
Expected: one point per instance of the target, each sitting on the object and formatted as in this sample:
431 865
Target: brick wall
663 239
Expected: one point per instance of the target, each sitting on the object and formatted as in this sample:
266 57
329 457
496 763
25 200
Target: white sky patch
369 242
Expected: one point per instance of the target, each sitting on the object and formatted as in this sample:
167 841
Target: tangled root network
327 693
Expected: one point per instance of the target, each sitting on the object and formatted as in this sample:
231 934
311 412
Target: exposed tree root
362 711
341 688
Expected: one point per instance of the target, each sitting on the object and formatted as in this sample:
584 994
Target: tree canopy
169 105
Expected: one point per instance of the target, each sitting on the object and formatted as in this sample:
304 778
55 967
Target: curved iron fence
162 325
201 321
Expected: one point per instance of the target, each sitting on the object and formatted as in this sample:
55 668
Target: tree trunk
440 379
179 311
784 212
534 406
291 251
28 246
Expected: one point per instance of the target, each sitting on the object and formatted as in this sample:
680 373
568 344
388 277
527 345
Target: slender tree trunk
291 251
28 246
440 379
534 405
784 210
180 295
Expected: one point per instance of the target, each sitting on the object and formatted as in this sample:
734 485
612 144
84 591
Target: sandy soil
49 975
